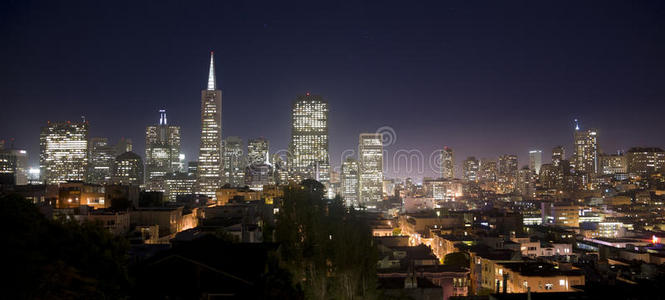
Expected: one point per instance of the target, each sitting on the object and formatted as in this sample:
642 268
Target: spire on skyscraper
577 125
211 75
162 117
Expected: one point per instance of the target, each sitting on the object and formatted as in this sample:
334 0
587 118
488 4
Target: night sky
483 77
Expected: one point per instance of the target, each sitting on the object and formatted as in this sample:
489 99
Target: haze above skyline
483 78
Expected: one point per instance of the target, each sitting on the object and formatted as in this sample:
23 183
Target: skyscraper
508 165
586 150
507 168
63 151
14 162
645 160
447 163
257 149
308 157
234 162
128 169
488 170
535 160
162 150
101 157
558 154
370 163
349 178
471 168
209 170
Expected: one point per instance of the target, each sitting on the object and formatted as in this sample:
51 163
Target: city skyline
426 150
352 86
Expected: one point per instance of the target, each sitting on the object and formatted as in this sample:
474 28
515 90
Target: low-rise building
537 277
77 193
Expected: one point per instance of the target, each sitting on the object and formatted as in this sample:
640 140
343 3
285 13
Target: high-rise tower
210 154
63 152
370 163
162 151
535 160
234 161
447 163
586 150
308 157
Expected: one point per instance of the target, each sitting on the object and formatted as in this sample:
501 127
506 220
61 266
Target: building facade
128 169
234 162
447 163
209 172
14 163
178 183
350 180
645 160
257 150
370 164
558 154
471 168
162 151
535 160
308 155
101 158
611 164
586 151
63 152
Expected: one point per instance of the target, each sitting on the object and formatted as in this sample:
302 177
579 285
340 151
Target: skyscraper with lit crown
210 153
162 150
586 150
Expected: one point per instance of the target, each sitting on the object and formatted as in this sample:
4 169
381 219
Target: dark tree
327 247
51 260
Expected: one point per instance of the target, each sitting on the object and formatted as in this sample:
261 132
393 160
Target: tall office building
350 179
645 160
470 169
63 152
586 150
101 157
308 157
14 163
257 149
508 165
447 163
209 170
178 183
162 152
558 154
488 170
124 145
370 163
128 169
535 160
507 172
234 162
610 164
